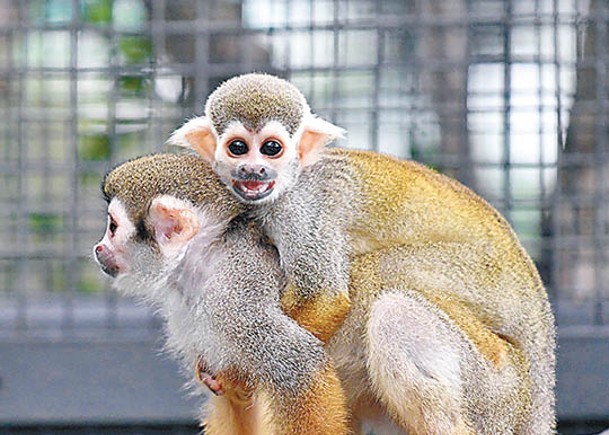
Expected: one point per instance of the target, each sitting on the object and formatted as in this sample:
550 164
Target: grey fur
256 99
317 226
308 224
240 301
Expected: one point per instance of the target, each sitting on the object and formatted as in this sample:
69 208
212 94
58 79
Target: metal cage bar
509 96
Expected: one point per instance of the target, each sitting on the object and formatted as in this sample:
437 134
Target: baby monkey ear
198 134
174 222
316 134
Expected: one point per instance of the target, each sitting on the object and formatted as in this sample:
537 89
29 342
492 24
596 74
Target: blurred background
509 96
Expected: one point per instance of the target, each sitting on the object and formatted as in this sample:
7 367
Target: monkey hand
320 314
206 378
226 384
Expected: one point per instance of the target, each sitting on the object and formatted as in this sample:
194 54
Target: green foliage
94 147
45 223
97 11
134 84
90 284
425 154
135 49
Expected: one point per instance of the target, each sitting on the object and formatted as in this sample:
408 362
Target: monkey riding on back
432 315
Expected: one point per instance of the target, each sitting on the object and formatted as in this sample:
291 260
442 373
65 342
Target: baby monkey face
257 165
259 133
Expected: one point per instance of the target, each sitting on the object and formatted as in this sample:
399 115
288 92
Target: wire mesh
508 96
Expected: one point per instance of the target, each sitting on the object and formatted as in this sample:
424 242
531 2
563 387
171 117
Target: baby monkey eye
271 148
238 148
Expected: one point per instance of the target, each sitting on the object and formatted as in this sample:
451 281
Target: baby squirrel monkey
416 351
259 134
320 207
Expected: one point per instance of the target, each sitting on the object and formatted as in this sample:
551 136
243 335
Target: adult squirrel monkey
418 351
320 207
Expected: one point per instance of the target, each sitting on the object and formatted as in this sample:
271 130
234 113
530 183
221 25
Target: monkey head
156 206
258 131
168 225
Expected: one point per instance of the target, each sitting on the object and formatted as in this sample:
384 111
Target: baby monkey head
258 132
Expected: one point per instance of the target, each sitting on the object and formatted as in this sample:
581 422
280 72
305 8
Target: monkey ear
316 134
198 134
174 221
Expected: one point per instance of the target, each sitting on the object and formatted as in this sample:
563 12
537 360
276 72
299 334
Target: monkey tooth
253 190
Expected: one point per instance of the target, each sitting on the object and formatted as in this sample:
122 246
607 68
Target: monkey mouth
111 271
106 262
253 190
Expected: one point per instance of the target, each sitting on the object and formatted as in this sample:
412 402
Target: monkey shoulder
330 186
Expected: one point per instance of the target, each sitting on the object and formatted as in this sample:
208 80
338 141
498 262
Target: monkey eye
112 226
271 148
238 148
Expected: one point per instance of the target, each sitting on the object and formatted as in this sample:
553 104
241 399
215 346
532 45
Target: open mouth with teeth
253 190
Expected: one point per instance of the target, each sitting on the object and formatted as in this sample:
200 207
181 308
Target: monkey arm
314 253
317 296
298 382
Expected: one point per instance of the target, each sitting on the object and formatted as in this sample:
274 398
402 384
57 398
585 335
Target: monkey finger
211 383
204 377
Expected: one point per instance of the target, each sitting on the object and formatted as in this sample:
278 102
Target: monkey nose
98 251
101 253
253 171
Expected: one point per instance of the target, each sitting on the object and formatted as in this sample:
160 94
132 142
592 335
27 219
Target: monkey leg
227 416
236 411
318 408
321 314
414 363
